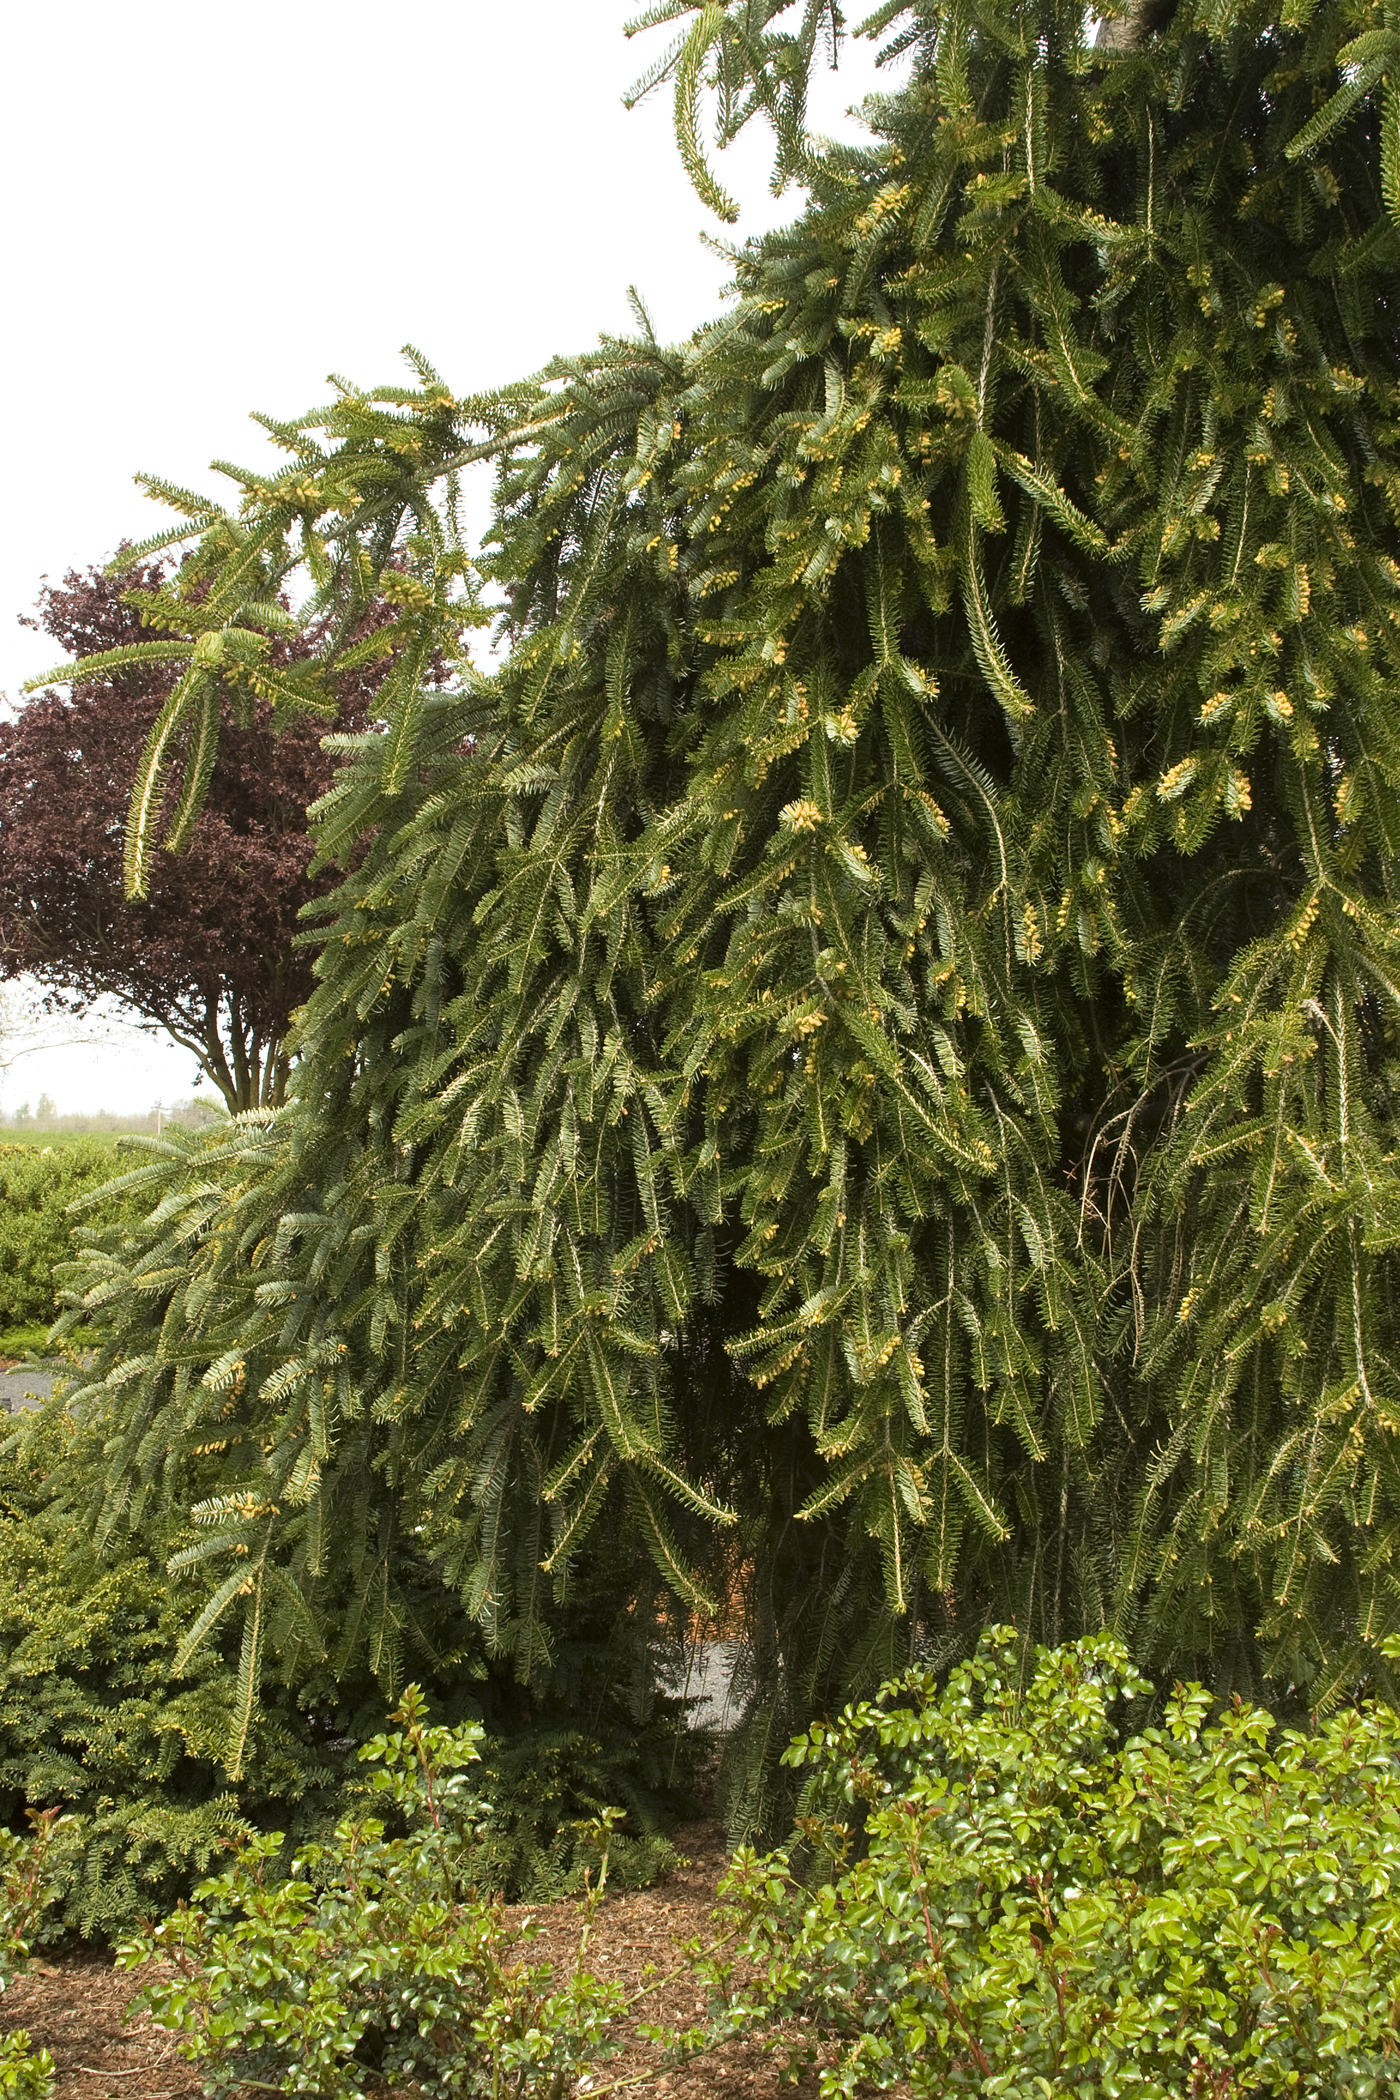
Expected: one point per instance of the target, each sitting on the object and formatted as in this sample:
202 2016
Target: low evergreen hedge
37 1184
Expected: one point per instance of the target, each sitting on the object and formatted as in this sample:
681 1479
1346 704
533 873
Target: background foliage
37 1183
208 955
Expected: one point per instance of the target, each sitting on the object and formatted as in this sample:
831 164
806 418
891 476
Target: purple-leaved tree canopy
208 955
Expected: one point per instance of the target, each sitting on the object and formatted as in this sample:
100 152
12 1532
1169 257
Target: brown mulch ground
75 2007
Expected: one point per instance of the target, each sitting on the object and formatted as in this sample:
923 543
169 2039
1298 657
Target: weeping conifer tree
861 1059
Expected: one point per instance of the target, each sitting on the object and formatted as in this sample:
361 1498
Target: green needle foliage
92 1727
856 1068
100 1726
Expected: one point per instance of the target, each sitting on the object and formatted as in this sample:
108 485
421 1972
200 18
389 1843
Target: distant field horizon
55 1126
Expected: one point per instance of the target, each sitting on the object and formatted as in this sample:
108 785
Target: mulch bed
75 2007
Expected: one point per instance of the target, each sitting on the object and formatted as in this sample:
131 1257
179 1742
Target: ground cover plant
1027 1877
859 1063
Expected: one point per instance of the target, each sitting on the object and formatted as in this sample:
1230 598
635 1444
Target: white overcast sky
207 208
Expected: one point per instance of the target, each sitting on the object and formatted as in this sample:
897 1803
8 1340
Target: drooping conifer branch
864 1052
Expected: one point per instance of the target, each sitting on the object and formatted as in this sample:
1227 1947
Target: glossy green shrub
37 1184
1020 1899
26 2073
377 1956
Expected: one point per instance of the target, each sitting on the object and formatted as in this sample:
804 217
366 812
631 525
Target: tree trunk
250 1071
